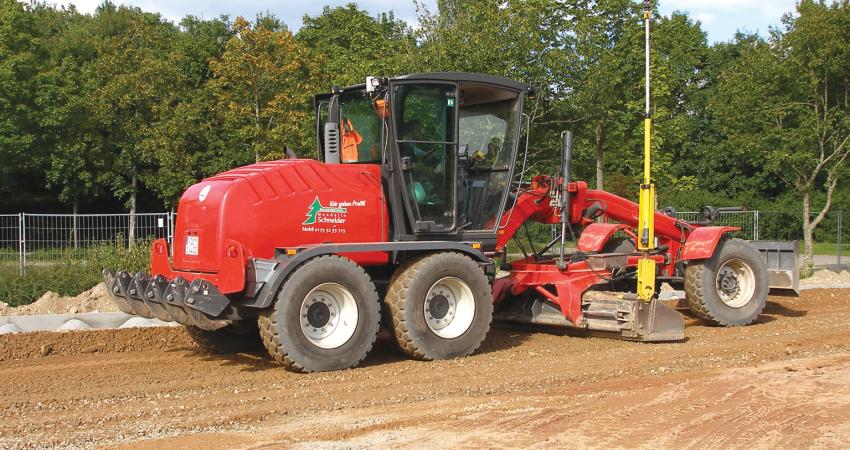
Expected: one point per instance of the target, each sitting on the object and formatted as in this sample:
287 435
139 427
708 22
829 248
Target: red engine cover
289 203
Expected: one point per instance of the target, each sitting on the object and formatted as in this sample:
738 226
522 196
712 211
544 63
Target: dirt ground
783 382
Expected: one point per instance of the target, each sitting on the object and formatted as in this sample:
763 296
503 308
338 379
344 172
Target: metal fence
29 239
44 238
831 246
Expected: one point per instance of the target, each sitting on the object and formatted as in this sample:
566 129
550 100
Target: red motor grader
416 198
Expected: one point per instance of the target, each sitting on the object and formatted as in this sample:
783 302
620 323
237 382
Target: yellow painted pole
646 276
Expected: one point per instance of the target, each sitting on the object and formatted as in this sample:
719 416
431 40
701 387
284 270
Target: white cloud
722 18
705 18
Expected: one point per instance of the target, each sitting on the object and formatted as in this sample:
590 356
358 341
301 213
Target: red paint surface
566 287
596 235
702 242
264 206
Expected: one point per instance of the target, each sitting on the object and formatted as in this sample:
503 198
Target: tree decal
315 207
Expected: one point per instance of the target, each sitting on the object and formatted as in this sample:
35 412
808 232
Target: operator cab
447 144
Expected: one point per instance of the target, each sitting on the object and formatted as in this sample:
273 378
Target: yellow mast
646 219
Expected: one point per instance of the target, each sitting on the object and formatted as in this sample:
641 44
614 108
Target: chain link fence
10 238
831 246
33 239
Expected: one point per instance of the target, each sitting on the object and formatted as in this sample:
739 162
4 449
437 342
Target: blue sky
721 18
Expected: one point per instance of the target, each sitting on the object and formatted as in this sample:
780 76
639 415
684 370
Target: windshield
487 145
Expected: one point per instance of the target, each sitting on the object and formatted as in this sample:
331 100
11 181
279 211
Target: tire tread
695 295
395 301
269 329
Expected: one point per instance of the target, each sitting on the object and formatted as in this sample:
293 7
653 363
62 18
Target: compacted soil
783 382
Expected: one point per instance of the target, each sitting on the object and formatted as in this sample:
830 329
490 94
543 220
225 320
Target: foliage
22 76
263 82
72 275
123 103
117 255
352 45
786 103
66 278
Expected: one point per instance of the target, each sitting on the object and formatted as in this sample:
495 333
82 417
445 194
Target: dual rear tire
440 306
327 313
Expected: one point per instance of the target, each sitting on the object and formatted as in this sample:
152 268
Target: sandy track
783 382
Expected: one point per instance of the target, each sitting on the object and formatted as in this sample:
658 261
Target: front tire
730 288
440 306
326 317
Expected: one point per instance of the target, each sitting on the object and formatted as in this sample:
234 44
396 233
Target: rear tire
325 317
730 288
440 306
238 337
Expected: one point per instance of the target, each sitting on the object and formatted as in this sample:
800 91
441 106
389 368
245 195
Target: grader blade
605 314
634 319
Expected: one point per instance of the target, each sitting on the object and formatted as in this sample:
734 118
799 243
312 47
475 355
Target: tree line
123 103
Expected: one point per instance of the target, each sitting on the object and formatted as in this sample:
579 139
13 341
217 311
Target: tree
786 102
600 68
679 59
134 79
353 45
189 140
76 163
23 54
709 167
263 83
523 40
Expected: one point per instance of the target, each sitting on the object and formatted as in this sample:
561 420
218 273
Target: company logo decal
329 218
324 214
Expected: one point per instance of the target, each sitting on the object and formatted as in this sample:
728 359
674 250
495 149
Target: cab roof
455 77
466 77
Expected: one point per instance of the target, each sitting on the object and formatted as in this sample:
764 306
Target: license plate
192 245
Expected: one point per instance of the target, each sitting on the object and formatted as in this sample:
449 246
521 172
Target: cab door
425 130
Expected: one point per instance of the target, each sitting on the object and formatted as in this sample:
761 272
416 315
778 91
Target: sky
720 18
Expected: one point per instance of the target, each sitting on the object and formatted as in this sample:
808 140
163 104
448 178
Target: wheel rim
329 315
449 307
736 283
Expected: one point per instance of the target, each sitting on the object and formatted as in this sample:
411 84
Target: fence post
170 230
74 229
22 244
756 215
838 240
170 233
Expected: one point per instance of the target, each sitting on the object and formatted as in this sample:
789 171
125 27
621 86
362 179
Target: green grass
70 275
69 278
825 248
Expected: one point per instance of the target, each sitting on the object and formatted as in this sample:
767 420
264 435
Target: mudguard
702 242
596 235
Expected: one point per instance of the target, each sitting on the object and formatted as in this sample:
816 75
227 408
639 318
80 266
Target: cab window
359 128
425 117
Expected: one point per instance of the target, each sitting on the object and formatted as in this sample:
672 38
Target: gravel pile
96 299
827 277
